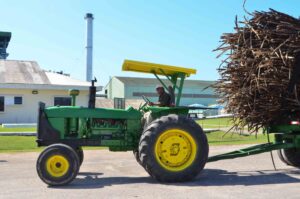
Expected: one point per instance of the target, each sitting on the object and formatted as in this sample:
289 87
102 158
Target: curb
18 133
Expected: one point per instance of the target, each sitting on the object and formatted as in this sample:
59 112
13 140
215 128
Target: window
62 101
1 103
18 100
185 95
119 103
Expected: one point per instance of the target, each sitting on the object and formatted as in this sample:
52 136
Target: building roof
28 75
59 79
154 81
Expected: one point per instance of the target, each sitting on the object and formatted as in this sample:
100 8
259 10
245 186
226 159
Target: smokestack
89 46
4 41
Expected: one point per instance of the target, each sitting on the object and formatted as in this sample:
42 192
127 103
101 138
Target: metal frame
172 73
284 139
173 79
253 150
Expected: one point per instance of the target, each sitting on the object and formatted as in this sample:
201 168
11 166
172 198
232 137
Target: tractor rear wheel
146 120
291 157
136 155
57 165
173 149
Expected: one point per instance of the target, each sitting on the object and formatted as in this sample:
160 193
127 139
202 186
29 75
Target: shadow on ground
218 177
209 177
3 161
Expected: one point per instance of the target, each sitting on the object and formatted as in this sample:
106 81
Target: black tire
80 155
291 156
153 162
136 155
281 157
52 165
146 120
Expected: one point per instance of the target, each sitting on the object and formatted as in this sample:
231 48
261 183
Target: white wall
184 101
115 88
27 112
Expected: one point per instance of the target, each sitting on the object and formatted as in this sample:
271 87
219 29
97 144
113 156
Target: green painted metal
173 80
73 121
284 128
182 76
253 150
286 136
161 82
157 112
82 112
118 129
73 93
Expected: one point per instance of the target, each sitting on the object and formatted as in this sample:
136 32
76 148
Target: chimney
4 41
89 46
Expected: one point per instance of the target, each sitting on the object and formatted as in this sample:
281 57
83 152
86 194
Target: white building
23 84
132 88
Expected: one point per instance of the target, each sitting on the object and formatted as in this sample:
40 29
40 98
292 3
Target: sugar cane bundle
260 75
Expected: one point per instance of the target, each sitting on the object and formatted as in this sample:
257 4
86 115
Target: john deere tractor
170 146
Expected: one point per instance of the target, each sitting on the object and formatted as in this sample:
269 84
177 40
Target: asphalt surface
107 174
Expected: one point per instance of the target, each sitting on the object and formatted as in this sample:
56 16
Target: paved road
117 175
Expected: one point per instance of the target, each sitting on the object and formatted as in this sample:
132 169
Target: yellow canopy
145 67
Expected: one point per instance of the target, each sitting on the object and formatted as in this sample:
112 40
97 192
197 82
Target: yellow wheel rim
57 165
175 150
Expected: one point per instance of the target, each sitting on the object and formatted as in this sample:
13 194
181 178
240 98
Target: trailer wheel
80 154
57 165
173 149
291 157
281 157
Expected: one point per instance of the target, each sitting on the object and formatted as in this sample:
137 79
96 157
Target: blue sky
175 32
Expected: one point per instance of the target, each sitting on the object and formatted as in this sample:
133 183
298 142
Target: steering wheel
146 99
147 102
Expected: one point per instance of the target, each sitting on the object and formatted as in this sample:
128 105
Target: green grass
31 129
215 123
219 138
27 143
17 143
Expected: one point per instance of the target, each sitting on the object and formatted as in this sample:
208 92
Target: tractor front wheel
58 165
173 149
80 154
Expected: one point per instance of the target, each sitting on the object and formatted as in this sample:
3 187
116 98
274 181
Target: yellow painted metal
175 150
159 69
57 166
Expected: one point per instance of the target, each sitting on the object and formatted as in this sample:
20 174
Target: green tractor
170 146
